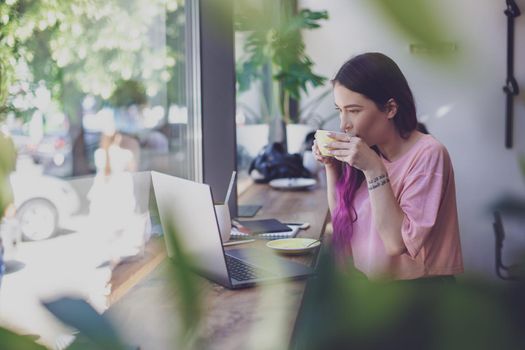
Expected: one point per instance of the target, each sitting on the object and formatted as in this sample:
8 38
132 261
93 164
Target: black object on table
248 210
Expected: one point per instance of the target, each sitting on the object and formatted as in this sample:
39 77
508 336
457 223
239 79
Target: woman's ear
391 108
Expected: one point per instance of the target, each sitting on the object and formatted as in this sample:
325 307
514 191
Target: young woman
391 188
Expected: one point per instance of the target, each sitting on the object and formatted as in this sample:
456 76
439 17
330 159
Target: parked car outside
21 140
43 203
54 153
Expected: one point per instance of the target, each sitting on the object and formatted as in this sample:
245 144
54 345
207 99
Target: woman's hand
319 157
354 151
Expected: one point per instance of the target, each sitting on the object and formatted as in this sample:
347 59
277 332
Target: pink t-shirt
423 184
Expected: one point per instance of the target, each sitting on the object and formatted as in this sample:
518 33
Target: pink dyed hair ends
344 214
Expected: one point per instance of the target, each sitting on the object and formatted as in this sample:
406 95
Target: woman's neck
395 146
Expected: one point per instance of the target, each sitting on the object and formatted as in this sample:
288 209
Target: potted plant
274 54
309 119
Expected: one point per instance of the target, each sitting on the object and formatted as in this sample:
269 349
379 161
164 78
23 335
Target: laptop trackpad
270 262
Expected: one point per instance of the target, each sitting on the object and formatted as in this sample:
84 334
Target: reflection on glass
98 89
84 67
113 214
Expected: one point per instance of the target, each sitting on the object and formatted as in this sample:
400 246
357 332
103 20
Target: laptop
188 207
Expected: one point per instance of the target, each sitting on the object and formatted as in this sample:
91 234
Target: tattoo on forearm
378 182
377 178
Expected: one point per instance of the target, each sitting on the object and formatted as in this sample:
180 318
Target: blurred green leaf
11 340
472 315
5 80
343 310
97 332
186 284
414 18
7 165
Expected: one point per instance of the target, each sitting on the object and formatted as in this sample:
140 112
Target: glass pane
99 96
252 109
94 70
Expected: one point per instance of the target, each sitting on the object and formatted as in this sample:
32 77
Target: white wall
462 104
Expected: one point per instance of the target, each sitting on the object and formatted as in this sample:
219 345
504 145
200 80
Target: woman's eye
354 111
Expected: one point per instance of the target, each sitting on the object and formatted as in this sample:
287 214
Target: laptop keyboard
242 271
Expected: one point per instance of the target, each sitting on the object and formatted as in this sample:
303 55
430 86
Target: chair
510 273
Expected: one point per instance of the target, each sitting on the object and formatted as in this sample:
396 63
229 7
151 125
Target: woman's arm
332 175
387 215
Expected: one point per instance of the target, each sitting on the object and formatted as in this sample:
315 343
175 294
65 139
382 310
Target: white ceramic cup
223 217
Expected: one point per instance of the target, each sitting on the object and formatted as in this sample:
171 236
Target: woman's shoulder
429 144
430 153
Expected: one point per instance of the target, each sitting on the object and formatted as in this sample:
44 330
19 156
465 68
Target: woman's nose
345 126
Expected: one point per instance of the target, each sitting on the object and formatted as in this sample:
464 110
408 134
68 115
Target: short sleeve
420 202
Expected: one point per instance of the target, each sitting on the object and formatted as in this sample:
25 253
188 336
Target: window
87 71
101 91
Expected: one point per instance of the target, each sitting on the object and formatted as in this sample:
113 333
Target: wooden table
148 314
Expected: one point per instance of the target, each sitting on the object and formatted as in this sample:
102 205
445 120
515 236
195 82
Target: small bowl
294 246
322 138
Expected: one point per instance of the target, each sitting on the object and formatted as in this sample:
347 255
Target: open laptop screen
186 210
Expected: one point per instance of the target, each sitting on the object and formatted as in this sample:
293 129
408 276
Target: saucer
293 245
293 183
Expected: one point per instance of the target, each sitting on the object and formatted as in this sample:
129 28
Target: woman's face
360 116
